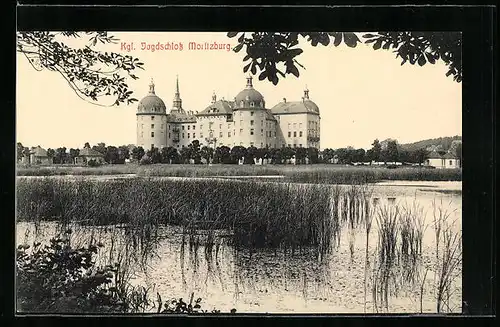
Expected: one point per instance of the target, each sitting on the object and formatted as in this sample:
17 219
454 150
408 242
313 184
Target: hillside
443 143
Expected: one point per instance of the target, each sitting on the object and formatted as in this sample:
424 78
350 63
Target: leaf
421 60
232 34
294 70
338 39
238 47
245 69
351 39
377 44
263 75
430 58
253 69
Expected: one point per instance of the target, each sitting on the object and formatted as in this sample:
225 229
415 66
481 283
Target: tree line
195 152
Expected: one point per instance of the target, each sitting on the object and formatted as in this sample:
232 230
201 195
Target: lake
277 282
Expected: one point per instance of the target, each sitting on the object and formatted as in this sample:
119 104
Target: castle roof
296 107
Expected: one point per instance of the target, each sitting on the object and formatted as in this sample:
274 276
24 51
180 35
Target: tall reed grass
278 215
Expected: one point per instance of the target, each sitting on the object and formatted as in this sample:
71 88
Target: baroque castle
245 122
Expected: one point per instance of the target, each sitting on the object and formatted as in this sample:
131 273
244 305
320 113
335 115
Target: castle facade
245 121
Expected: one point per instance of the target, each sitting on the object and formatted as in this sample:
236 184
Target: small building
451 161
448 160
87 154
39 156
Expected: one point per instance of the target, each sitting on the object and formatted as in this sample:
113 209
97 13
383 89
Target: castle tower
151 120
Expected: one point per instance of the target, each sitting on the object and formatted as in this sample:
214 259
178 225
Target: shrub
58 278
93 163
145 160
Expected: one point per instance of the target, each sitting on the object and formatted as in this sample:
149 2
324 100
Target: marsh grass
285 216
448 242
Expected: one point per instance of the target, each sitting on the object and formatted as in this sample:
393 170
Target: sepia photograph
238 172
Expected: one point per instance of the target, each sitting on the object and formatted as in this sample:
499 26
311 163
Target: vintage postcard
239 172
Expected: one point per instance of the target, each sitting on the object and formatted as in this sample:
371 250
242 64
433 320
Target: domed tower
151 121
254 124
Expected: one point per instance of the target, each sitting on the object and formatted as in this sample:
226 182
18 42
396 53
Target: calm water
269 281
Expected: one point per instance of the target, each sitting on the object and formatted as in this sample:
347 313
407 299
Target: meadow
316 174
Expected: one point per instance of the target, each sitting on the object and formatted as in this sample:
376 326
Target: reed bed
258 215
316 174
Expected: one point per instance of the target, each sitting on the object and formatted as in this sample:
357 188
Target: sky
362 94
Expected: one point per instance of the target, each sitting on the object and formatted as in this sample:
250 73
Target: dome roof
151 103
249 97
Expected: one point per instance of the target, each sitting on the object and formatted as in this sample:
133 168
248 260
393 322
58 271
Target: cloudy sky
362 94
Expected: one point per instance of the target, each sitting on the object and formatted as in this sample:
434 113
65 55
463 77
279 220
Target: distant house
38 156
448 160
87 154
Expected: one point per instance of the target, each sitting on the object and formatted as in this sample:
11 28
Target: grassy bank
321 173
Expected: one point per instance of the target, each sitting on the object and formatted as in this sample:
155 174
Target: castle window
168 127
251 143
228 134
161 126
189 127
201 126
289 134
300 125
251 104
194 135
152 117
294 134
152 134
451 163
289 125
300 133
183 134
251 131
295 145
220 126
142 125
251 123
188 134
201 135
168 135
194 127
300 145
289 145
152 146
294 125
152 125
251 113
183 128
220 134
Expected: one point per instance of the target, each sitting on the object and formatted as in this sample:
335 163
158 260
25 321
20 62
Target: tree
328 155
87 145
91 74
250 155
222 155
420 155
123 153
111 155
313 155
207 153
185 154
19 151
195 151
51 153
376 151
268 52
392 151
138 153
154 155
60 156
300 155
238 152
100 147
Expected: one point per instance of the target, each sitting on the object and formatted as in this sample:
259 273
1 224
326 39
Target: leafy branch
91 74
266 52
